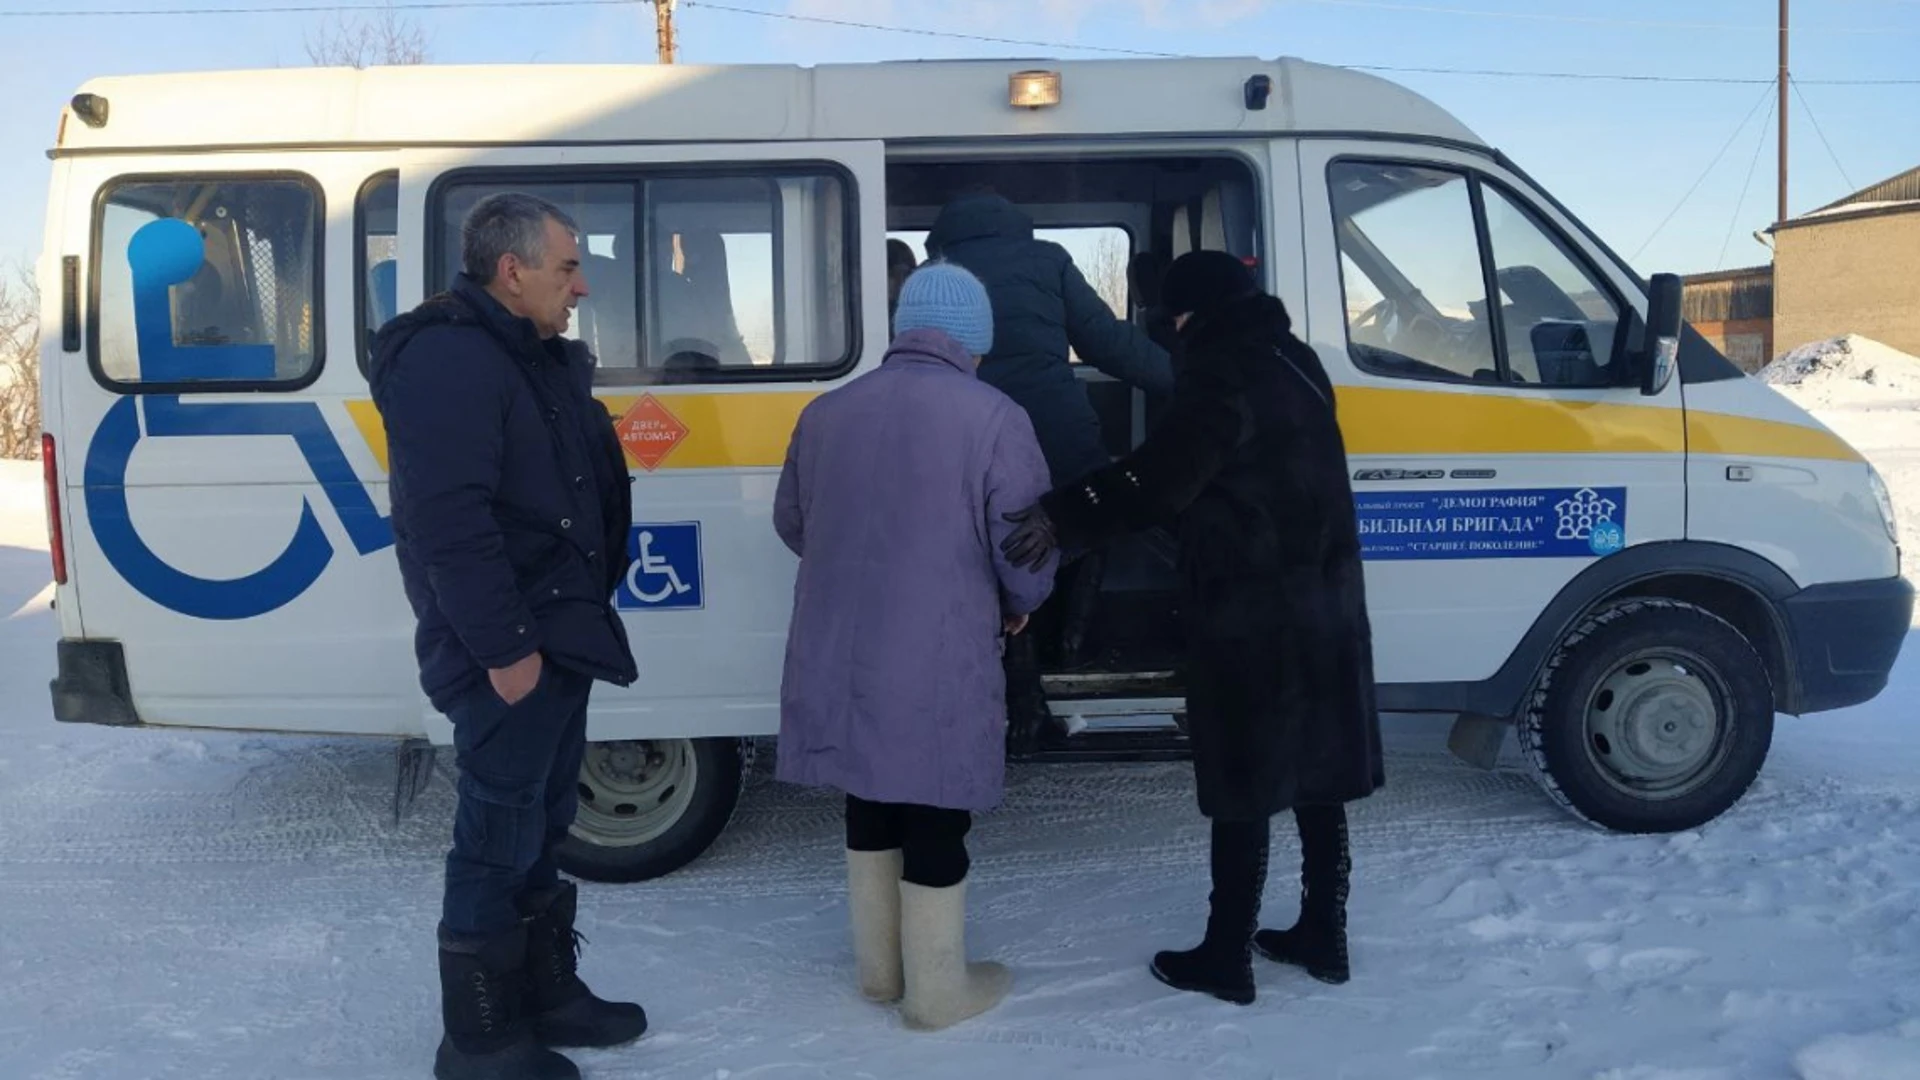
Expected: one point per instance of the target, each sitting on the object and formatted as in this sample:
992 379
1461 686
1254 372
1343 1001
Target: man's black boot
1222 965
481 1004
562 1010
1318 941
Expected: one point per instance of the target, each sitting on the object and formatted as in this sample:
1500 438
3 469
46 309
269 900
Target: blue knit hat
943 296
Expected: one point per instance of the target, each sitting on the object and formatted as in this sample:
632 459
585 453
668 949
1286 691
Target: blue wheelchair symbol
161 255
663 568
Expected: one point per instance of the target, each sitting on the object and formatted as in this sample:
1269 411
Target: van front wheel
650 806
1653 716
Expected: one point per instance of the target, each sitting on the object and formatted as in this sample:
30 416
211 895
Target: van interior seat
607 319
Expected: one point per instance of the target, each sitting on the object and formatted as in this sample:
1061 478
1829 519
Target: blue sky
1620 154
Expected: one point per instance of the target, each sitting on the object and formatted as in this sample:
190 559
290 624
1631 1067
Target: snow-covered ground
200 906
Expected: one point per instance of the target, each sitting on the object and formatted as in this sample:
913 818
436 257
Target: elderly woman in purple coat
894 496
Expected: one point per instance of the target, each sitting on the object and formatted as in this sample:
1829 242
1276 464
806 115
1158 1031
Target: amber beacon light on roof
1033 89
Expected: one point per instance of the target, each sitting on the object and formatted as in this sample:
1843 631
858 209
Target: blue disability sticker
1540 523
663 568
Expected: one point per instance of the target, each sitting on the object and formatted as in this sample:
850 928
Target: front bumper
1845 638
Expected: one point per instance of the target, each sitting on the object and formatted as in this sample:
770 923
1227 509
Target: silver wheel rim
632 792
1655 725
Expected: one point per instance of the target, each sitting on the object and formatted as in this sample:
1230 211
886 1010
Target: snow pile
1850 370
23 507
1893 1055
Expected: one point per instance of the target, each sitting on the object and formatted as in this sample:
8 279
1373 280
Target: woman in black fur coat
1250 466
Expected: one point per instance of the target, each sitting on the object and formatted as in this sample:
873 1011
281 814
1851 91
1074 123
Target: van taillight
56 536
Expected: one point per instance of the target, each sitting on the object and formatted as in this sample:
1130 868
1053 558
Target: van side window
376 226
1421 250
694 280
207 283
1416 297
1560 323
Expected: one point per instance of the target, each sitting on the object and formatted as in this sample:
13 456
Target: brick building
1734 310
1851 268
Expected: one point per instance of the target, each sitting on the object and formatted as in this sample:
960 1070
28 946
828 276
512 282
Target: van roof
897 101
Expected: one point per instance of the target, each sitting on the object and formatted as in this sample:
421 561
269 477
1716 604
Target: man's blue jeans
519 789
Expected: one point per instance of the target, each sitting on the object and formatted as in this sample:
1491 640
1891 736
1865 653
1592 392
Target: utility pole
663 28
1783 80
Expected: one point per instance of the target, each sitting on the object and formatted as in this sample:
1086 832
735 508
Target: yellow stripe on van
743 430
1743 436
367 418
1413 422
739 430
751 429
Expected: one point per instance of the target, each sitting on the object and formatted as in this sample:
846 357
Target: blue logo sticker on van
1542 523
162 254
1606 538
663 568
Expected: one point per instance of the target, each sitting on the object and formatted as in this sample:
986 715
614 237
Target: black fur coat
1249 465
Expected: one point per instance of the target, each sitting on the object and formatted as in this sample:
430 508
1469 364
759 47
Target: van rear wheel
650 806
1653 716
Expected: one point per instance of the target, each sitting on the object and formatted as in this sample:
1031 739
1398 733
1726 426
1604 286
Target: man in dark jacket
1250 463
511 509
1042 308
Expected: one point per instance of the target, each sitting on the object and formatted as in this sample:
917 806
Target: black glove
1032 541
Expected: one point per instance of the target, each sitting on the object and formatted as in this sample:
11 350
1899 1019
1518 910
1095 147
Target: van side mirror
1661 350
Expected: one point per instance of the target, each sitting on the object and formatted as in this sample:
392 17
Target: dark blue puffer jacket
1042 306
511 497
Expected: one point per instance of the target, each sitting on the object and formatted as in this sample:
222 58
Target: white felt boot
873 899
942 988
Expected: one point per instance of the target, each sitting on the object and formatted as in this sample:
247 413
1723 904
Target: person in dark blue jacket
1043 308
511 509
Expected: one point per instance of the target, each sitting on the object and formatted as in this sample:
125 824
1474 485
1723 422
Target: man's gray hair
509 223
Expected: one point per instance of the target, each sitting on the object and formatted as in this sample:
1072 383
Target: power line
315 8
1658 229
467 5
1795 83
853 24
1380 5
1601 20
1741 205
1601 76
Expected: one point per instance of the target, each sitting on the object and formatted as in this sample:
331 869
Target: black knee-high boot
1318 942
1223 964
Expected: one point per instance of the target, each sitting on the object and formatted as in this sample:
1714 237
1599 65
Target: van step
1070 686
1162 744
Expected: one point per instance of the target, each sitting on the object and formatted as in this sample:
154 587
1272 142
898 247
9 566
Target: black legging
932 840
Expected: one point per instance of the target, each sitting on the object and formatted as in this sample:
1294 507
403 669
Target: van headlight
1885 498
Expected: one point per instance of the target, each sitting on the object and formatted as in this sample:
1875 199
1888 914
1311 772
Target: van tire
1652 716
650 807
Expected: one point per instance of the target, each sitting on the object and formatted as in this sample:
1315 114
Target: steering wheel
1419 334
